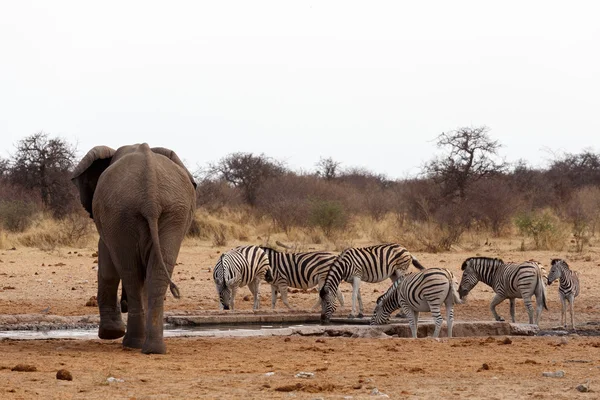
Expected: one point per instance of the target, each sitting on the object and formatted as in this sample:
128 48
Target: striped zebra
418 292
370 264
509 281
568 287
241 266
298 270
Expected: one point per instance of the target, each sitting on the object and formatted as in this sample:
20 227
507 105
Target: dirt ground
61 281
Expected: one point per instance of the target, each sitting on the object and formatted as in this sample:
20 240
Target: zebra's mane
560 260
488 260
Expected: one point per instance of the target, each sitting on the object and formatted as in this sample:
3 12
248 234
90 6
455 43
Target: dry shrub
17 215
493 203
220 227
75 230
583 213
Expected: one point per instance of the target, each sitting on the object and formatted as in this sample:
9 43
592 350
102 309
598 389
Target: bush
328 215
544 227
17 216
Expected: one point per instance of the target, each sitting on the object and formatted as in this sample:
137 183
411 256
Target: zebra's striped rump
419 292
508 280
370 264
241 266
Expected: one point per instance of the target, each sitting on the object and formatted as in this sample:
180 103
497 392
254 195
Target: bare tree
247 172
327 168
43 164
471 156
4 167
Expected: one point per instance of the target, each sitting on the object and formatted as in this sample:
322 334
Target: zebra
568 287
298 270
509 281
241 266
370 264
422 291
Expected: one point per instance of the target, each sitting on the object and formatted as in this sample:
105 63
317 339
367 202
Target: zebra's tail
417 264
542 287
453 289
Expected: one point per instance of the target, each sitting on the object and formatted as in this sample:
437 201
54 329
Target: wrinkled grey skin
142 201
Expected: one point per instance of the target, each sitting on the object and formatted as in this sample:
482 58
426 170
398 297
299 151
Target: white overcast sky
370 84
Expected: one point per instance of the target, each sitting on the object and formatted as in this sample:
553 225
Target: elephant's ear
170 154
88 171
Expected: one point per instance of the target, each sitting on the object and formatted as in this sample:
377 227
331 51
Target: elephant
142 201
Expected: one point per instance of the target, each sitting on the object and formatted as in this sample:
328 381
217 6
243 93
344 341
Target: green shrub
17 215
544 227
330 216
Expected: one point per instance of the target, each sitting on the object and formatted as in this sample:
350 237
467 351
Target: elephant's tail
153 225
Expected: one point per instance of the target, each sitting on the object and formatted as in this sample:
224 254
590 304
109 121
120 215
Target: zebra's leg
495 301
340 297
436 313
529 307
284 293
254 287
539 305
413 322
449 313
273 296
355 294
512 309
572 307
360 305
232 299
563 316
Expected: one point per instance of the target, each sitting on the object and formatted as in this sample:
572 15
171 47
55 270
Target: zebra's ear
464 265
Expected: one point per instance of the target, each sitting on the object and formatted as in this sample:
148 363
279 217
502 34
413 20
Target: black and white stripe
298 270
568 287
370 264
419 292
509 281
244 265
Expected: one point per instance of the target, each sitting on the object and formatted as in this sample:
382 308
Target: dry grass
229 228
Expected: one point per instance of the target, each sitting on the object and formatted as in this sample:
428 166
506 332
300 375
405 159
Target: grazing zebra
370 264
568 287
241 266
509 281
298 270
417 292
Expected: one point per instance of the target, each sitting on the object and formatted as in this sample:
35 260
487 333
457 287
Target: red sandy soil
32 280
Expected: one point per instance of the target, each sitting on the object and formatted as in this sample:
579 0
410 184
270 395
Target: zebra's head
556 270
383 310
476 269
228 281
337 272
220 284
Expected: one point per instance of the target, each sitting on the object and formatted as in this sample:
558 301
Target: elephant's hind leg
111 324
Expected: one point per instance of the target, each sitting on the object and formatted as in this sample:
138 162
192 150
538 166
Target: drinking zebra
418 292
241 266
370 264
298 270
568 287
509 281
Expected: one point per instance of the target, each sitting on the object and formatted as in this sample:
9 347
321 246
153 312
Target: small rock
557 374
24 368
506 341
95 261
304 375
192 278
287 339
376 392
73 288
247 297
563 341
94 254
112 379
270 374
484 367
584 387
92 302
64 375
